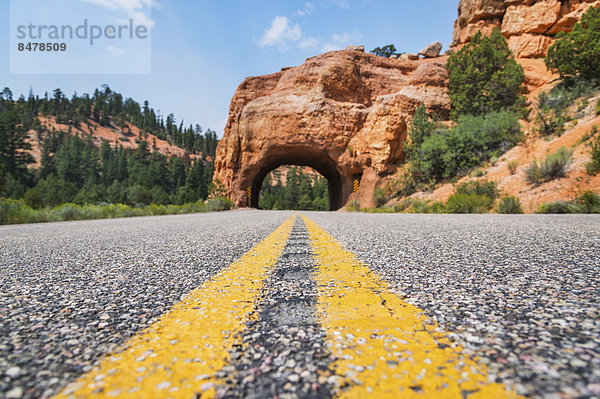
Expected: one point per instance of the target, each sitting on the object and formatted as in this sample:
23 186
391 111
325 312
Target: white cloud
308 43
341 3
134 9
280 33
283 34
330 47
115 51
309 9
341 40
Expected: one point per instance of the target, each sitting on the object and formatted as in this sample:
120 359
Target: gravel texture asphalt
283 353
71 292
519 292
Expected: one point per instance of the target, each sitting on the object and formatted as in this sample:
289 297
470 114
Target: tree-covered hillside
75 169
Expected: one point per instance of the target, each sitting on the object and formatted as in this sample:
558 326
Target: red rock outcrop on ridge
344 113
528 25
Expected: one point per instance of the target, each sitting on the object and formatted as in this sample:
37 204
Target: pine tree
484 77
14 157
576 54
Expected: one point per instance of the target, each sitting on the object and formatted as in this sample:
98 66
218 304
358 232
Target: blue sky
202 50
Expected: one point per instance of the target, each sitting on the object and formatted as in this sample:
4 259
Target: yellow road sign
356 185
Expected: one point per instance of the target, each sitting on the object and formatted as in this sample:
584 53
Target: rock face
354 47
431 51
344 113
408 56
528 25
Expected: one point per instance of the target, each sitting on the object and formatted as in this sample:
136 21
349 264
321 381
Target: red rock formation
529 25
344 113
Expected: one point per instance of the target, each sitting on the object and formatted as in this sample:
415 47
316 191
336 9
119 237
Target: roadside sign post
356 185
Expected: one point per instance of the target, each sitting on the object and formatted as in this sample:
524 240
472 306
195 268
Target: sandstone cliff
528 25
344 113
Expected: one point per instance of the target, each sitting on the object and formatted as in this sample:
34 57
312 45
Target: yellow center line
384 347
178 356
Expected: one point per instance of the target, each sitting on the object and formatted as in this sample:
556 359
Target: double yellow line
383 347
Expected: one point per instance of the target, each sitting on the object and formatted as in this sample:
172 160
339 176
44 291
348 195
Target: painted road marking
179 355
384 347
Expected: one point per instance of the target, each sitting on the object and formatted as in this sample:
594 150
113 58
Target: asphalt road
517 295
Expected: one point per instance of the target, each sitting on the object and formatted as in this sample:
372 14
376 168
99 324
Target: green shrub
559 207
554 166
402 206
583 104
413 205
593 167
485 188
484 77
219 204
450 153
421 127
437 207
401 186
353 206
588 202
469 203
576 54
70 212
551 107
598 107
534 173
472 197
512 166
379 197
17 211
419 206
510 205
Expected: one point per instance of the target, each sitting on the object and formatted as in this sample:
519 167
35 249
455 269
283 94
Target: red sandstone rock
343 113
529 25
346 113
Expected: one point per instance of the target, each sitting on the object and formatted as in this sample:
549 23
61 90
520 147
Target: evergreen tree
576 54
14 157
385 51
484 77
420 128
74 169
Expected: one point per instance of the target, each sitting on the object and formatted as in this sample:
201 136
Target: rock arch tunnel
343 113
339 185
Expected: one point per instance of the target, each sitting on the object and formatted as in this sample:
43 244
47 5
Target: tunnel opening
314 158
292 187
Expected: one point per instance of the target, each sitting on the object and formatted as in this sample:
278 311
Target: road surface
258 304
